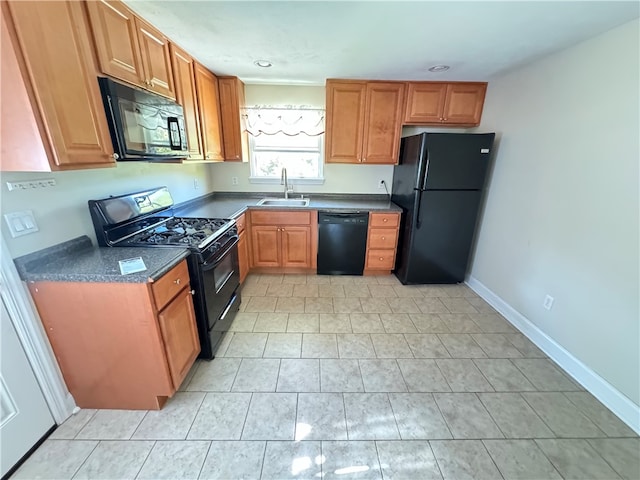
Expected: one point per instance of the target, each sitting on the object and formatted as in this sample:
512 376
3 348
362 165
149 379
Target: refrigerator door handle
423 166
416 208
426 170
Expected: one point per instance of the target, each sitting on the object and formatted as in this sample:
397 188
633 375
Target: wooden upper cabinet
345 120
156 59
185 85
464 103
209 106
129 48
425 102
235 140
383 122
441 103
50 43
364 121
117 43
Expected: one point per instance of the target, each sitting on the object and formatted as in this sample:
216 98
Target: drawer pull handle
177 281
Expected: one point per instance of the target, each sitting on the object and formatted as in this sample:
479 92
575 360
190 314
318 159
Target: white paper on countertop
132 265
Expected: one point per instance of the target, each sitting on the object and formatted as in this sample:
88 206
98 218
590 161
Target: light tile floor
356 377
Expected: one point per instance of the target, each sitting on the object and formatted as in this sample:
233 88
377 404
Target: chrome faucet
285 182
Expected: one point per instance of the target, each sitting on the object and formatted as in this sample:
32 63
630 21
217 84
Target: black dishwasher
342 241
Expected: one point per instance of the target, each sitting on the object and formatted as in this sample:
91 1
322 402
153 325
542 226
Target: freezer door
409 171
457 161
438 251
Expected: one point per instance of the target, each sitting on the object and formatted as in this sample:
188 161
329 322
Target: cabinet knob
364 159
115 156
192 292
380 258
385 219
384 238
177 281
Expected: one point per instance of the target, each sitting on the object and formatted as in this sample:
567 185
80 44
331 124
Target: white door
24 414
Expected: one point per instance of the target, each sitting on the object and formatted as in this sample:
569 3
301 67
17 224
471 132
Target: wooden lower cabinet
284 240
121 345
382 242
243 248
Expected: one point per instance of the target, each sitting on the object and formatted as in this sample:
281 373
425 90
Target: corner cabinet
364 121
121 345
52 114
284 240
440 103
129 48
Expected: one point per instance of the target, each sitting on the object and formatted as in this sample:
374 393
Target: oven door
221 278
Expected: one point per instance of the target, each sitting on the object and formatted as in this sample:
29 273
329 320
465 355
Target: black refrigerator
438 183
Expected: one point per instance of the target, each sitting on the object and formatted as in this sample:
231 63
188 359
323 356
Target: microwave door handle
175 142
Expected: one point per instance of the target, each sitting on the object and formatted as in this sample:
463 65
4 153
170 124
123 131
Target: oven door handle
208 266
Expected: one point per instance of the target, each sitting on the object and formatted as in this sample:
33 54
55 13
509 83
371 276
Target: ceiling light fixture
439 68
263 63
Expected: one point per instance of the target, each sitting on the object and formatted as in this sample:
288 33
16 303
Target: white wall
61 212
562 212
338 178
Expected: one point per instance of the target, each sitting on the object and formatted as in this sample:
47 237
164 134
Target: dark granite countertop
78 260
231 205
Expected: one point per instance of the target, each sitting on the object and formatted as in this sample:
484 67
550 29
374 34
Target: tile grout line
195 416
204 460
155 442
83 462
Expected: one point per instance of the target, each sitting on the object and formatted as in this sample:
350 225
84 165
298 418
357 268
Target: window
290 138
301 155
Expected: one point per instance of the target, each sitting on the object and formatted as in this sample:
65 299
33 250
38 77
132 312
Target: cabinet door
55 44
383 122
464 103
116 40
178 326
344 122
296 246
21 146
425 103
243 256
235 141
266 246
185 84
209 106
156 59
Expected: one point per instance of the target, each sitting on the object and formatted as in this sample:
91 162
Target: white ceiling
308 42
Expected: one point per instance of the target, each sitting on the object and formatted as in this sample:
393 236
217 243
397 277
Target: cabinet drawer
383 238
240 222
279 217
380 259
384 220
170 284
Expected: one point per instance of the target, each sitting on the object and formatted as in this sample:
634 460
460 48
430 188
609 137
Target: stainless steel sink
284 202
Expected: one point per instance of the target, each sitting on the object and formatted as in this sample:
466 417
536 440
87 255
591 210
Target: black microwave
143 125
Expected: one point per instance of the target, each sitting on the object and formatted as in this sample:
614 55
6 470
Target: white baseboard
615 401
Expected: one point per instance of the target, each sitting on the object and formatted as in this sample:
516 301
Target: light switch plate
21 223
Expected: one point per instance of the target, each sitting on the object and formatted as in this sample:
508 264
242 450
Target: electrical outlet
234 180
196 184
31 184
381 184
548 302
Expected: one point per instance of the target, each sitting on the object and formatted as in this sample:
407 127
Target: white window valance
291 121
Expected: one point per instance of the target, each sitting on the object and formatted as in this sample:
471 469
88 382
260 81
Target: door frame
25 320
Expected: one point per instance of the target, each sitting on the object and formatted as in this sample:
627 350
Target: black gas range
145 219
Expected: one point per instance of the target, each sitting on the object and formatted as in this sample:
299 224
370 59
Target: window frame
294 180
